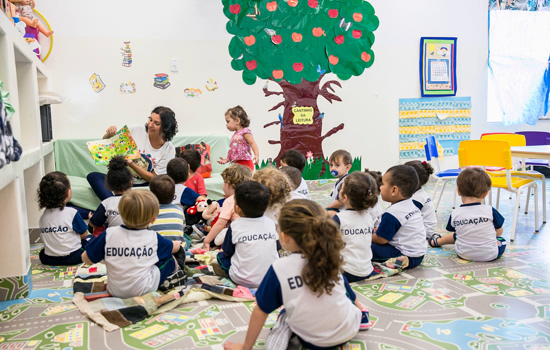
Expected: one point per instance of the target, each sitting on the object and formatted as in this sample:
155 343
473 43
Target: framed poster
437 67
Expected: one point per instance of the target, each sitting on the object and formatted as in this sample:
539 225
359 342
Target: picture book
121 143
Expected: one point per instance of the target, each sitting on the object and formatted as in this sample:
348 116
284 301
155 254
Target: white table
537 152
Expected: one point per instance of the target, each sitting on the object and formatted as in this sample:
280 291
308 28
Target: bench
73 158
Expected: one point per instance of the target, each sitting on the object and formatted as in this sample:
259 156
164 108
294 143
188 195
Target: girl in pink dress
242 143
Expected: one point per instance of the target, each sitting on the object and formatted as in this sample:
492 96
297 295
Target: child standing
296 159
118 180
340 163
306 282
279 188
195 180
242 142
178 170
232 176
401 230
475 224
250 244
62 229
138 260
420 197
358 193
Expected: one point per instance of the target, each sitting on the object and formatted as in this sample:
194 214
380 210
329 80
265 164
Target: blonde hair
138 208
277 183
235 174
319 239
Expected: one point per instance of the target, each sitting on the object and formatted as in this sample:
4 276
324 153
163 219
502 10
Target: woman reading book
153 143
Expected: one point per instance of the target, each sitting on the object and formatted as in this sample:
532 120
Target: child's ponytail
53 190
319 239
361 189
119 177
423 169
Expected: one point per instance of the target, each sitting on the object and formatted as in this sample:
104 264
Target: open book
121 143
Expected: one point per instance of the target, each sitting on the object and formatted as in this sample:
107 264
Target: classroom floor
446 303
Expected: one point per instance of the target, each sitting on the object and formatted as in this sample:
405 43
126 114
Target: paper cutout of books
161 81
121 143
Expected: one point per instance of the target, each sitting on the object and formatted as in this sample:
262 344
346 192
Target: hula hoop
51 36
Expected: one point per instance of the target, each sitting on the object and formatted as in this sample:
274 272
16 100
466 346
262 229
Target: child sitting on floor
340 163
232 176
295 159
250 244
358 193
138 260
62 229
118 180
475 224
376 211
195 180
306 283
279 188
420 197
184 197
401 230
295 178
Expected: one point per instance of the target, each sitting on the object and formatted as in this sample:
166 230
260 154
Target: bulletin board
437 67
446 118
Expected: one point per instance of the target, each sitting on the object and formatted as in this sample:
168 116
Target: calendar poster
438 67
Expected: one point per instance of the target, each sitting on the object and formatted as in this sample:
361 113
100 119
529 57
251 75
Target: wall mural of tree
294 43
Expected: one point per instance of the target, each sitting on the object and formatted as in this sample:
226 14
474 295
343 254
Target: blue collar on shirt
469 204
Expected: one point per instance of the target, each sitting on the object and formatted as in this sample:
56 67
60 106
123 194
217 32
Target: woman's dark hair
319 239
119 177
423 170
361 190
53 190
168 122
238 112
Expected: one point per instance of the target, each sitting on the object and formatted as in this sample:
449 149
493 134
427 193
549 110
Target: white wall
193 31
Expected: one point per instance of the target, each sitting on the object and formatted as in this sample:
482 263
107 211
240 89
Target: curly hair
360 188
53 190
319 239
423 170
278 184
235 174
168 122
137 208
238 112
119 177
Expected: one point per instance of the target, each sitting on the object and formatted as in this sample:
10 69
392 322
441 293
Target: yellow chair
517 140
486 153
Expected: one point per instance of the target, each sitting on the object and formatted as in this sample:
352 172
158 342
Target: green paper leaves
300 39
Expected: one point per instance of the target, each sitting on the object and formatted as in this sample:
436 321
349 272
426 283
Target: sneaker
177 279
365 321
200 230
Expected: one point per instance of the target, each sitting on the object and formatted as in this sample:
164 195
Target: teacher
153 143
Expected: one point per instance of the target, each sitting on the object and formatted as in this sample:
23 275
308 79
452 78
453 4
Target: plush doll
206 212
27 16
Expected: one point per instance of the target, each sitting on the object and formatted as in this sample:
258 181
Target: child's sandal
433 240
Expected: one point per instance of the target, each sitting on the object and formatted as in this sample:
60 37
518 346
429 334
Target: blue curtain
519 51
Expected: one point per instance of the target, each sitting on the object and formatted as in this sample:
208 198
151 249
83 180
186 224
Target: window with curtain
519 54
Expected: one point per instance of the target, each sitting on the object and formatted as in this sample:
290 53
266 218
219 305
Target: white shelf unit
24 76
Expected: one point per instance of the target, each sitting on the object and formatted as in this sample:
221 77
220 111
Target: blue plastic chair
442 176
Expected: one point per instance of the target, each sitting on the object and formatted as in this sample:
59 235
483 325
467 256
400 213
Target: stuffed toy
26 15
205 212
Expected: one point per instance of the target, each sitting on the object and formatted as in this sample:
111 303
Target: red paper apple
277 39
356 34
317 31
277 74
296 37
357 16
333 60
313 3
251 65
365 57
234 9
271 6
292 3
333 13
298 66
339 39
250 40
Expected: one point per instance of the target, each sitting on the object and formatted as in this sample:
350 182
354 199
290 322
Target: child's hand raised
223 160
